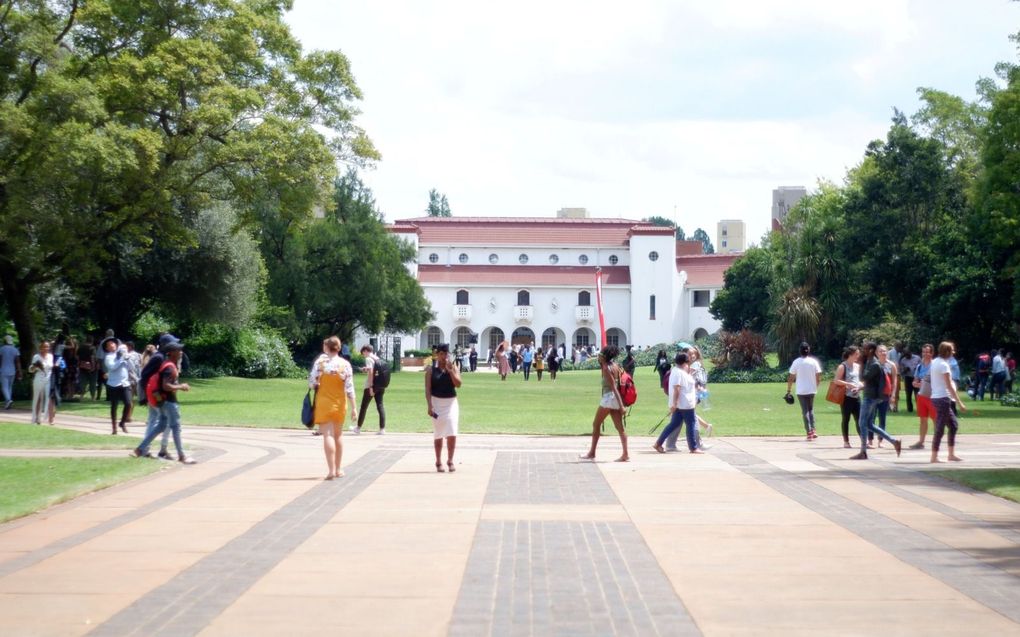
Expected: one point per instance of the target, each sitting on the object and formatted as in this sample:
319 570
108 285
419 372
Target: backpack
380 374
153 391
628 392
888 385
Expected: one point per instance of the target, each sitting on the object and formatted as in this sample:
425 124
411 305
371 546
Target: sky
690 110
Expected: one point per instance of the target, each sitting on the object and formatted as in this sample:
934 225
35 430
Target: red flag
598 301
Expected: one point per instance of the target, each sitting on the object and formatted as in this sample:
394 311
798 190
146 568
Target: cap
102 343
166 339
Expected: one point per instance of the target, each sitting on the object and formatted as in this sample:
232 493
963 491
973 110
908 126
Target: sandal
450 465
439 467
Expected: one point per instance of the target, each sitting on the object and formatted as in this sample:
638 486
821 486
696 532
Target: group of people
994 372
685 383
527 358
867 383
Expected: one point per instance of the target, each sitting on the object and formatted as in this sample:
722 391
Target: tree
706 241
438 205
343 272
121 119
745 300
797 318
656 220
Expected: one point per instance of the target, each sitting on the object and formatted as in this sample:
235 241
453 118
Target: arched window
434 336
495 338
584 298
462 336
523 297
462 297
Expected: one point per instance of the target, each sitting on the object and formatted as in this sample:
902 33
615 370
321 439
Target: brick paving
759 536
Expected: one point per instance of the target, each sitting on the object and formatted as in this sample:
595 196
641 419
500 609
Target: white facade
533 280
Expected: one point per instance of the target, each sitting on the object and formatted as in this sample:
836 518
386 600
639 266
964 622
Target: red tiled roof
525 230
568 275
705 269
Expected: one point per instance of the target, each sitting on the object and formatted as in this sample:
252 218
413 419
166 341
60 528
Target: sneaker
8 404
186 460
355 429
381 432
916 445
138 453
164 454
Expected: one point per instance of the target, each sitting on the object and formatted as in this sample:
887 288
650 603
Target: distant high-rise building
572 213
784 199
730 236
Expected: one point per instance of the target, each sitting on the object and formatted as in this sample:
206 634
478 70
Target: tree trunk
16 294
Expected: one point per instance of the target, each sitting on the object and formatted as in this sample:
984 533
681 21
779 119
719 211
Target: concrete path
758 536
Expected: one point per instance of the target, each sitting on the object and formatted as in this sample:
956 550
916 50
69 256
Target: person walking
539 363
87 368
115 364
374 372
907 370
161 394
10 369
682 398
553 360
999 373
527 358
41 366
441 383
848 374
887 400
611 404
876 384
943 395
983 368
473 359
663 368
69 383
806 371
502 364
152 361
332 378
922 383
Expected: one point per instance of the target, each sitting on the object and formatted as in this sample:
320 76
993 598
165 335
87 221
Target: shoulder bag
837 392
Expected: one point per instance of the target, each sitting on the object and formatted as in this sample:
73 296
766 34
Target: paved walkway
759 536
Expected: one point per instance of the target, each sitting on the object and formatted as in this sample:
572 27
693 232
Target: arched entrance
583 337
615 336
462 336
700 333
522 336
553 336
491 338
431 337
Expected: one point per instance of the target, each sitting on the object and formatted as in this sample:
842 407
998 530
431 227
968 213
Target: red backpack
628 392
887 388
153 387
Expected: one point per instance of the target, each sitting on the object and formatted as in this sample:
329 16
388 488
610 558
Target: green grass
514 406
1004 483
30 484
22 436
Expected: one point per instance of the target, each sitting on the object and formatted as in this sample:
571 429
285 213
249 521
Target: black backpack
380 374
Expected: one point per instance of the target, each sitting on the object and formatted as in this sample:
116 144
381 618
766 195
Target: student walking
876 386
611 404
161 393
943 396
922 383
10 369
117 368
848 374
807 373
41 366
441 383
332 378
376 380
527 358
682 398
539 363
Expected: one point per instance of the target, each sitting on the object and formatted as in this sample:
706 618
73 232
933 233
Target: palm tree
798 316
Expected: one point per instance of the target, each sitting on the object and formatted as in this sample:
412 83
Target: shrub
251 352
417 353
760 375
1011 400
740 350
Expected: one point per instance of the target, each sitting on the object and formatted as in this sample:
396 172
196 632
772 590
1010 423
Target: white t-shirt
688 395
939 369
674 380
369 371
805 369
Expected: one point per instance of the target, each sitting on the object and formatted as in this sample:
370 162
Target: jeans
998 385
366 399
882 408
151 421
7 382
166 417
527 370
807 410
680 418
982 385
868 408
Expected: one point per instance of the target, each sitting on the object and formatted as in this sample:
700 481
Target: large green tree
706 241
121 119
657 220
746 300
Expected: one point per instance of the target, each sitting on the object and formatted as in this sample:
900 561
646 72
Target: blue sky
701 108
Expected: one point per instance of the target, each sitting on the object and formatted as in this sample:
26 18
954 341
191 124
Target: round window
433 258
493 258
554 259
463 258
653 256
583 259
523 259
613 259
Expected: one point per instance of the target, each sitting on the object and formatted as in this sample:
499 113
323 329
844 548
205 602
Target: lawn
1004 483
22 436
30 484
564 407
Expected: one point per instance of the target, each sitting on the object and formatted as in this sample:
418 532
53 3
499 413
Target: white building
784 199
531 279
730 236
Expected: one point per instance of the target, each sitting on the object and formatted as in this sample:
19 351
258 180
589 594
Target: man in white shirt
999 374
807 372
10 369
943 397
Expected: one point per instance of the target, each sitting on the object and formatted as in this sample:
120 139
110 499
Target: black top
442 383
169 375
873 379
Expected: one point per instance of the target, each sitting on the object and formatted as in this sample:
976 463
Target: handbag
836 393
308 410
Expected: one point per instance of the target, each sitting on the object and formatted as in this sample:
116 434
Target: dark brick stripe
189 602
982 582
546 478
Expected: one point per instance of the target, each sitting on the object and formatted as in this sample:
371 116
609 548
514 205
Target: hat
171 346
102 343
167 339
788 398
443 347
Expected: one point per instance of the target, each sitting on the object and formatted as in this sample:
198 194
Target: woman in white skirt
441 382
42 367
